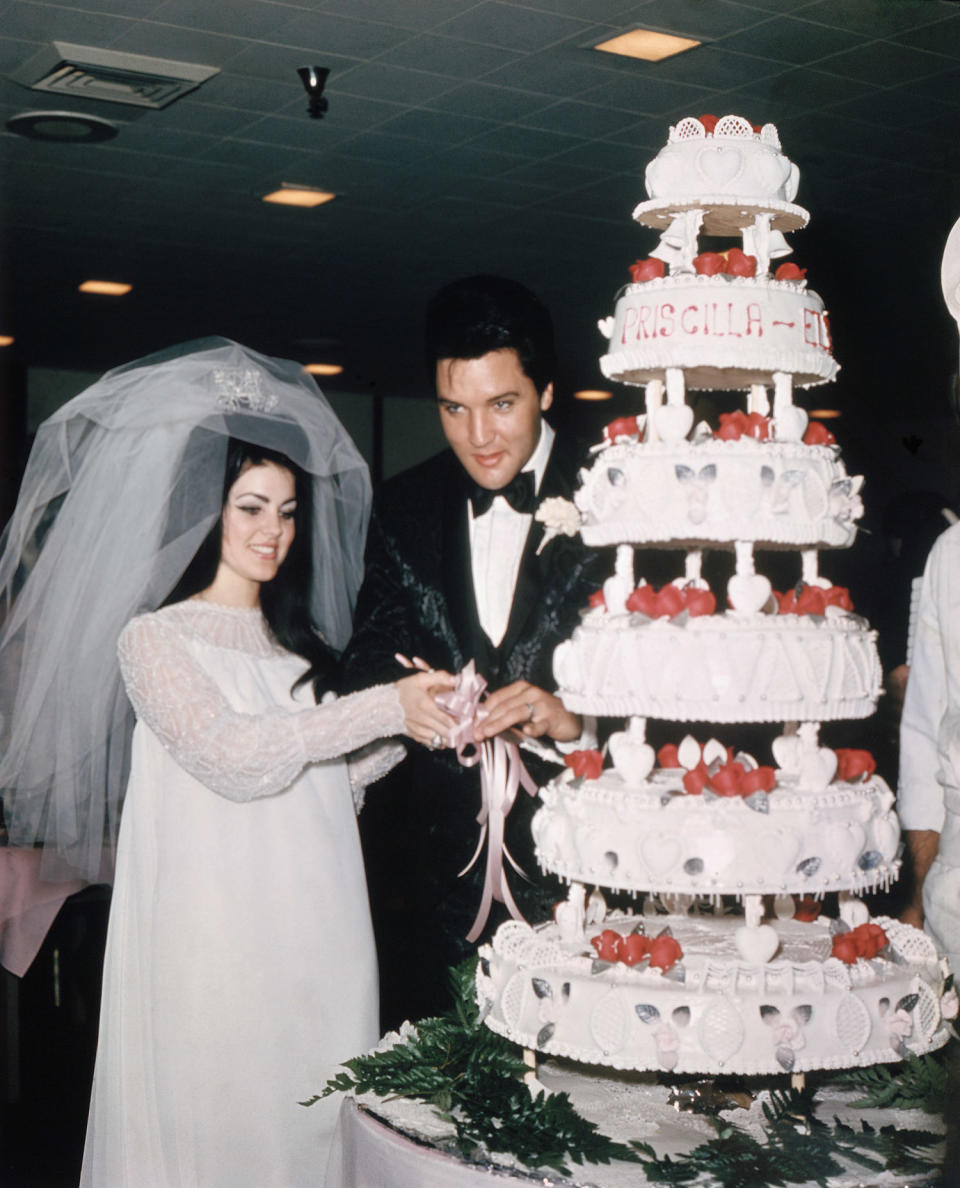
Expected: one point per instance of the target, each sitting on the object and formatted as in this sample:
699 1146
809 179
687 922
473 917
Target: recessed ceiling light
106 288
62 127
324 368
592 394
825 414
6 340
647 45
289 195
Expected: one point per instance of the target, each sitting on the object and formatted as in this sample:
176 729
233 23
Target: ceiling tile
490 102
579 119
44 22
328 33
13 53
941 38
447 55
434 126
512 28
877 18
603 156
793 92
229 89
376 80
693 18
239 18
422 15
291 133
532 143
643 91
785 39
563 71
886 61
183 45
714 67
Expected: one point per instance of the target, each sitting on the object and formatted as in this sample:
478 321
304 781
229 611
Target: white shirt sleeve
238 755
930 726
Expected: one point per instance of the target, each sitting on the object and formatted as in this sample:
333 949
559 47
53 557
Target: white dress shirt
497 540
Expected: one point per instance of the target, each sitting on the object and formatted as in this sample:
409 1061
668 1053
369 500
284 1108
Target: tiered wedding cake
696 826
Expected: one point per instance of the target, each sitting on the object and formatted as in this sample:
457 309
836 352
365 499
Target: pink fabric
28 906
502 774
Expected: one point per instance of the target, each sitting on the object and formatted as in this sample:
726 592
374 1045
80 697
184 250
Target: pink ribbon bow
501 775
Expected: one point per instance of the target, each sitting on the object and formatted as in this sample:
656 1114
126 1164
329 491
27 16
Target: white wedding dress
240 967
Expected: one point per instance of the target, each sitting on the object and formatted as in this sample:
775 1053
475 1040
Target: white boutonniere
561 518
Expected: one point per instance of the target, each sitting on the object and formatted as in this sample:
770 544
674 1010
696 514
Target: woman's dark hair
470 317
285 601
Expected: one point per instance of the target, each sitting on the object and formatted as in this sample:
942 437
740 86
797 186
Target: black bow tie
520 493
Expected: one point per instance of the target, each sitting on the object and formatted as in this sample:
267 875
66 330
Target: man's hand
533 711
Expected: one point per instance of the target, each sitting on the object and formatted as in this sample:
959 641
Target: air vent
86 73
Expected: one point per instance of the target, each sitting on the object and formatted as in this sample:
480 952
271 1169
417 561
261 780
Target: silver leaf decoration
785 1058
542 988
545 1034
759 801
647 1012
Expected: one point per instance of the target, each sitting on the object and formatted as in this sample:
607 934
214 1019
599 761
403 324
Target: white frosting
724 331
647 835
733 160
715 1012
681 493
720 668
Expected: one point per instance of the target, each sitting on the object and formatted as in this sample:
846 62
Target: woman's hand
532 710
424 720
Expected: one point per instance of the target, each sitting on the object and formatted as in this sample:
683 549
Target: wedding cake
700 828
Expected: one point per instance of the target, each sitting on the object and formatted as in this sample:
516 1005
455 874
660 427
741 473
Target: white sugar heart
713 749
605 326
689 752
886 835
790 423
853 912
756 945
673 422
817 768
633 758
748 593
661 852
720 165
787 749
784 907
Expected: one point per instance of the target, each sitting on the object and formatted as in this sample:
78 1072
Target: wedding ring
436 742
530 711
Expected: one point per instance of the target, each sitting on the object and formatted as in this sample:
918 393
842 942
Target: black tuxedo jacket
417 598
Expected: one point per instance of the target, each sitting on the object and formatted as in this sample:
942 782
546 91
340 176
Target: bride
240 966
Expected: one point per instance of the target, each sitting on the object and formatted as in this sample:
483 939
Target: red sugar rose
597 599
845 948
806 910
644 601
665 952
668 755
709 264
818 434
670 601
789 271
811 601
700 602
760 779
726 780
607 944
585 763
695 779
709 122
621 427
647 269
634 948
852 764
740 264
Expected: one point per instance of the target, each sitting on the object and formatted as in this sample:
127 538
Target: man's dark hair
469 317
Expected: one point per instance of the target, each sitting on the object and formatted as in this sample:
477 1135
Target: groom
455 572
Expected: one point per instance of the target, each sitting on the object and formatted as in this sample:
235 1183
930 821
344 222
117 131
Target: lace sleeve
240 756
372 763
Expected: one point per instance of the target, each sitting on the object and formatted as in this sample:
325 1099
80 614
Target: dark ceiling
463 136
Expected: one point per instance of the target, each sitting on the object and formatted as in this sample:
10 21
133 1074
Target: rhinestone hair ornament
122 486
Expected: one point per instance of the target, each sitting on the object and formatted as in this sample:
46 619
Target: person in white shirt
455 572
928 798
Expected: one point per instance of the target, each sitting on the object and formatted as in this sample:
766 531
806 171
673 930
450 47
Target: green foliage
473 1078
796 1148
919 1083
